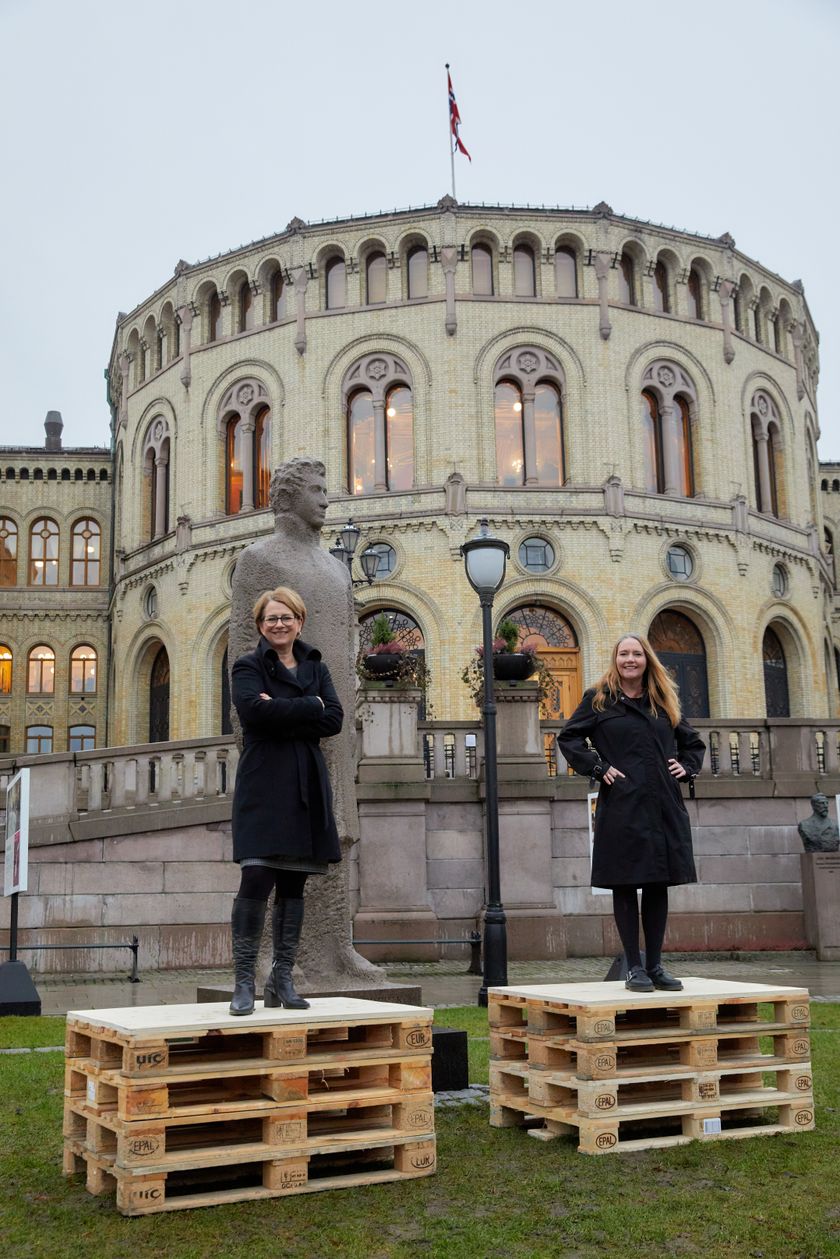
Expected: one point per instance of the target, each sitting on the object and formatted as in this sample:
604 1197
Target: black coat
642 831
282 802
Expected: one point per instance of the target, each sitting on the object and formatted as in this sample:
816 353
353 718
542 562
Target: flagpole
449 133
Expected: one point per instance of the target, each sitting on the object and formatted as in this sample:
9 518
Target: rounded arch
527 249
210 646
802 655
705 273
546 630
678 642
568 598
716 628
147 645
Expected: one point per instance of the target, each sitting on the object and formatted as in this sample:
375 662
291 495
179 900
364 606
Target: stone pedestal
821 902
519 743
390 751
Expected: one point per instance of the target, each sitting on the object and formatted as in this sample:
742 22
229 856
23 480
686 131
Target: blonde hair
657 681
283 594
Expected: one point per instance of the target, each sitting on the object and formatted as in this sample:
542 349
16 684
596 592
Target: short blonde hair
282 594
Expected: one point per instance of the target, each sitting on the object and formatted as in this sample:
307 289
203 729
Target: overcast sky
137 134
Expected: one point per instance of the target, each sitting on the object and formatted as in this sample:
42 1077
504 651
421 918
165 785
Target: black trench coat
282 802
642 831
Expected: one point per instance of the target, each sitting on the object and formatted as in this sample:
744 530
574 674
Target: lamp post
345 548
484 560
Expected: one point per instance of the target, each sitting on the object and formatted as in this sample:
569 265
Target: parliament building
631 407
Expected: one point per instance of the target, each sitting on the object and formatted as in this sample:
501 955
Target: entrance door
776 694
554 641
159 699
679 645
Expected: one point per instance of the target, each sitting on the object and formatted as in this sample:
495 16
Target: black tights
258 881
654 919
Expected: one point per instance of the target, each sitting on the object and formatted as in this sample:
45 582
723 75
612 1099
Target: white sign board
591 802
17 834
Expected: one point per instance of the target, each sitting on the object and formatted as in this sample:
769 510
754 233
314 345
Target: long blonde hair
657 681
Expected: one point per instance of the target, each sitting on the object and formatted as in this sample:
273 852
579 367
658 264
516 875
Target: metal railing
134 946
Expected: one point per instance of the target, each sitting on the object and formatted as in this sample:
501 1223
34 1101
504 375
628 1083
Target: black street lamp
345 548
484 560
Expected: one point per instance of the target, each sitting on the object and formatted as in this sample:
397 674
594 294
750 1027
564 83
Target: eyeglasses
271 621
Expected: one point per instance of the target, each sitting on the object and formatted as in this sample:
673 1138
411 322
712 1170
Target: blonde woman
283 823
628 733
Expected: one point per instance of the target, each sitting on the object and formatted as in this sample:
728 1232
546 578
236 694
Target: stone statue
817 832
292 556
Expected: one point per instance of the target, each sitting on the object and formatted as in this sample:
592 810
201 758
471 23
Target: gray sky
135 135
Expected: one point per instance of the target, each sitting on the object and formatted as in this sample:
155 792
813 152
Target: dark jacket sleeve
282 717
572 738
329 719
690 748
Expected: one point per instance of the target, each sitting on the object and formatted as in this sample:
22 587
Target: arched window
737 312
5 670
776 693
278 296
418 271
510 443
233 489
40 674
661 296
246 307
380 425
86 538
81 738
666 401
404 627
695 297
376 278
766 434
335 278
43 553
679 645
529 419
262 457
8 551
214 318
156 465
360 443
626 280
159 698
83 670
481 261
565 271
39 740
524 271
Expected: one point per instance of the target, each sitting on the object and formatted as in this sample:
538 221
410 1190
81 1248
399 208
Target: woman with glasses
283 824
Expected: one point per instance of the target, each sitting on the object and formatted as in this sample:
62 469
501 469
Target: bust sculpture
817 832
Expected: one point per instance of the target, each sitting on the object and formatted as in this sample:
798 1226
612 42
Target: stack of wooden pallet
186 1106
626 1071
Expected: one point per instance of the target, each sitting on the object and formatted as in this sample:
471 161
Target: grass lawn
498 1194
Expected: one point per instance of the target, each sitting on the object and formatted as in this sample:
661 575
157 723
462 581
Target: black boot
286 923
246 922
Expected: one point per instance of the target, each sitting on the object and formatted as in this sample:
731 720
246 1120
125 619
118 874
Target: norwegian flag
455 119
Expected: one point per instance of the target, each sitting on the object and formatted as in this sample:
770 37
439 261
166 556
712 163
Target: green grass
497 1194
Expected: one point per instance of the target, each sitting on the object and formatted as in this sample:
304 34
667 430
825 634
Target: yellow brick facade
609 533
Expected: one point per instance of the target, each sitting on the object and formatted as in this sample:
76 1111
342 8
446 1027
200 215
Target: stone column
301 282
797 337
449 261
380 470
766 504
186 315
248 426
726 290
670 448
124 363
529 433
602 274
161 460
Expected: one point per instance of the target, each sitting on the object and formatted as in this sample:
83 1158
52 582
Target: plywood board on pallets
684 1051
180 1143
314 1171
602 1011
151 1039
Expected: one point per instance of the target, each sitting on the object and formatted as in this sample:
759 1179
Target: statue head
298 488
819 804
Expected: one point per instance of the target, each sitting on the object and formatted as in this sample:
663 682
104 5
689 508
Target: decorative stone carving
447 203
665 376
602 209
455 490
727 240
295 226
528 362
762 404
818 832
377 372
245 394
376 369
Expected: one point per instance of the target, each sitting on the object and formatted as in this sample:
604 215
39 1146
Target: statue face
310 502
820 805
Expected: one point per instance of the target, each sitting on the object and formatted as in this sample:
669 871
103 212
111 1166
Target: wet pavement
445 983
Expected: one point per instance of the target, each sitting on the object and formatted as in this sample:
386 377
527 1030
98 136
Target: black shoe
246 922
638 981
661 978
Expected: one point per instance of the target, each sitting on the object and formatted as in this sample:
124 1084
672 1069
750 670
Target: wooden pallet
187 1142
608 1011
149 1041
629 1070
325 1165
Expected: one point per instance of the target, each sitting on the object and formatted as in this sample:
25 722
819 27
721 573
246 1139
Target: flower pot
513 666
384 664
